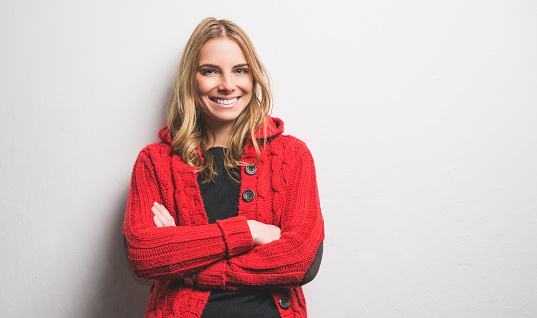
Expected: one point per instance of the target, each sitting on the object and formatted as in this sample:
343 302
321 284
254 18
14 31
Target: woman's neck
218 141
219 134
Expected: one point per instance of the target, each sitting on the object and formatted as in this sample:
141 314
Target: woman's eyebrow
209 65
218 67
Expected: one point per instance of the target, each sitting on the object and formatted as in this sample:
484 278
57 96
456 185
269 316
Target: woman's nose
227 84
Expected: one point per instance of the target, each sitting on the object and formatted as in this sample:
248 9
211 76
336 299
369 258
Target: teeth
225 101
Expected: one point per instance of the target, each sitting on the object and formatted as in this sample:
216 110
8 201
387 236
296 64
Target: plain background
421 116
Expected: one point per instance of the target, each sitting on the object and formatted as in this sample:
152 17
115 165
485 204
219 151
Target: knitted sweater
282 191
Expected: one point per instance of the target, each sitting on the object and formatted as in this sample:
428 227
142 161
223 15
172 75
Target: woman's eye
208 72
241 71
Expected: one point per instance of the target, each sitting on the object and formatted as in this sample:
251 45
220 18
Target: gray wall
421 116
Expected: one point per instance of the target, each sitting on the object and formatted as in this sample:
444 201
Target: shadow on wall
119 293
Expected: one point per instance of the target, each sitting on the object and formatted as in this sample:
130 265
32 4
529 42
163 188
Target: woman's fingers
157 221
263 233
162 221
163 215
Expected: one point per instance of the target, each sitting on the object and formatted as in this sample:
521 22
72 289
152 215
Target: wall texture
421 116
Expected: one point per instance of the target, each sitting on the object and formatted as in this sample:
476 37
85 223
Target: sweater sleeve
284 262
176 251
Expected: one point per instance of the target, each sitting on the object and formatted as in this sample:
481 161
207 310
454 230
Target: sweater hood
274 128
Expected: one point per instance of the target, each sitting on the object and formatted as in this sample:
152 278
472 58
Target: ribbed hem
236 235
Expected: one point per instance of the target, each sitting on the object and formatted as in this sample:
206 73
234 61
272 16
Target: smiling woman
223 213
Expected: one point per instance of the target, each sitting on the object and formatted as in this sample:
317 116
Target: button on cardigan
222 254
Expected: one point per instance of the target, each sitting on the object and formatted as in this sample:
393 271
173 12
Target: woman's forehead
221 50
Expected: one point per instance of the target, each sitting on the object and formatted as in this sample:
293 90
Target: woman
223 213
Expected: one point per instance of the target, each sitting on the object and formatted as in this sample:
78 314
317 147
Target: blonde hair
187 127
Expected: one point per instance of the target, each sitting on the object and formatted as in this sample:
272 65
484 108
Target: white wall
421 116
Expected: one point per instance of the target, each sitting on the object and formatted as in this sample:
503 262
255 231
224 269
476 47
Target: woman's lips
224 102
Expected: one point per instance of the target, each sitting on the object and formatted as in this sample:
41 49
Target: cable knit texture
222 254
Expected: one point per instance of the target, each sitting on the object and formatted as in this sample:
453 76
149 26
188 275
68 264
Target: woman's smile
225 102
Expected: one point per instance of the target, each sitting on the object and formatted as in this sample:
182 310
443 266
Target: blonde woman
223 212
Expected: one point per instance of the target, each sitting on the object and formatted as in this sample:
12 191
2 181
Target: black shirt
221 201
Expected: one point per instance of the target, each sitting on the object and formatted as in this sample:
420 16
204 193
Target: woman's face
224 82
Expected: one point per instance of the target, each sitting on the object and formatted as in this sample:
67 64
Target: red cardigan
222 254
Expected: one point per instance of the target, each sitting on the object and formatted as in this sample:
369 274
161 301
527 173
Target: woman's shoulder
159 149
290 146
154 155
292 141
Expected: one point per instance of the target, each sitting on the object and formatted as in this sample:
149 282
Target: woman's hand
263 233
162 216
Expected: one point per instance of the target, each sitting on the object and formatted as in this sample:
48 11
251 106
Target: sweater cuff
213 276
237 235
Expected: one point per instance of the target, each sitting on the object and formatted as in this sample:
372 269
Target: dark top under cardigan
221 201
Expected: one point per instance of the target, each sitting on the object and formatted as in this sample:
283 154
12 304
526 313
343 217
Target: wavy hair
189 131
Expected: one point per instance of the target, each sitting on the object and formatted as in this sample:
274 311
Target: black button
284 303
248 195
250 170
